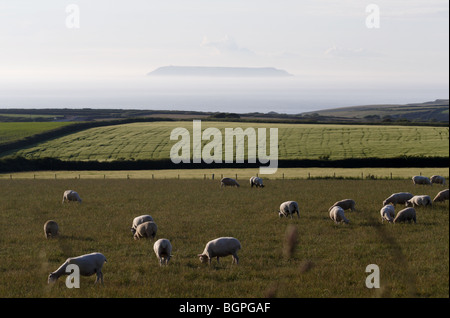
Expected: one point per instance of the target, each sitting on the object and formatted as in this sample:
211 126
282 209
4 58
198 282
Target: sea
290 95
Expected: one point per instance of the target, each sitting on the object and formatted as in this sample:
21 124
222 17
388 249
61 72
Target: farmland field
328 261
18 130
296 141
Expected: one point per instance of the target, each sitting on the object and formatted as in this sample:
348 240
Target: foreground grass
295 141
329 260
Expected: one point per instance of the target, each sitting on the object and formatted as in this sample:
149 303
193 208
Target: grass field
242 175
19 130
296 141
328 261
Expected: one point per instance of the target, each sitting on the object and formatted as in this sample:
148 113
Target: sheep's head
52 278
203 258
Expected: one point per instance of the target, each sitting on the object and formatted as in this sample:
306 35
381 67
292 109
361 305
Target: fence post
212 177
309 175
236 176
391 175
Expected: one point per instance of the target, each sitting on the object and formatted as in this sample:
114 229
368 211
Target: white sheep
441 196
163 251
404 215
139 220
71 195
417 200
398 198
421 180
437 179
345 204
256 181
51 229
337 215
88 265
387 213
221 247
229 182
146 229
289 208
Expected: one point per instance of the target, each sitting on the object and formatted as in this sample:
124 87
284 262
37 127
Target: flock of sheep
144 226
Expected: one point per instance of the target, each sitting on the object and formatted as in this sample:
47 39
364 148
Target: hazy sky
316 40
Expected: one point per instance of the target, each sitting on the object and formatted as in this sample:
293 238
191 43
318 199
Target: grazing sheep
398 198
437 179
441 196
421 180
51 229
387 213
229 182
221 247
345 204
146 229
289 208
404 215
163 250
139 220
71 195
88 264
419 200
256 181
337 215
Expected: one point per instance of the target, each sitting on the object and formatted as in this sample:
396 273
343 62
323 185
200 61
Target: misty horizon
291 95
96 54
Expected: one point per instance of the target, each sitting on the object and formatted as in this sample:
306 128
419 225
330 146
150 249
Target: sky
324 43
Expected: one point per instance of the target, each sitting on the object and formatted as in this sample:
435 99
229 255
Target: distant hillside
219 71
434 111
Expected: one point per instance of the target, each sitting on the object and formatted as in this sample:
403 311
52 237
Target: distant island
208 71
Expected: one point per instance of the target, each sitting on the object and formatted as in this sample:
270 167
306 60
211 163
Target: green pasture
12 131
327 261
295 141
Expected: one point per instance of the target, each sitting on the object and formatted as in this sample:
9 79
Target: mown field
328 261
295 141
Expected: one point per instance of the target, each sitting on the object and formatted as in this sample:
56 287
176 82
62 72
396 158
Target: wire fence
244 174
